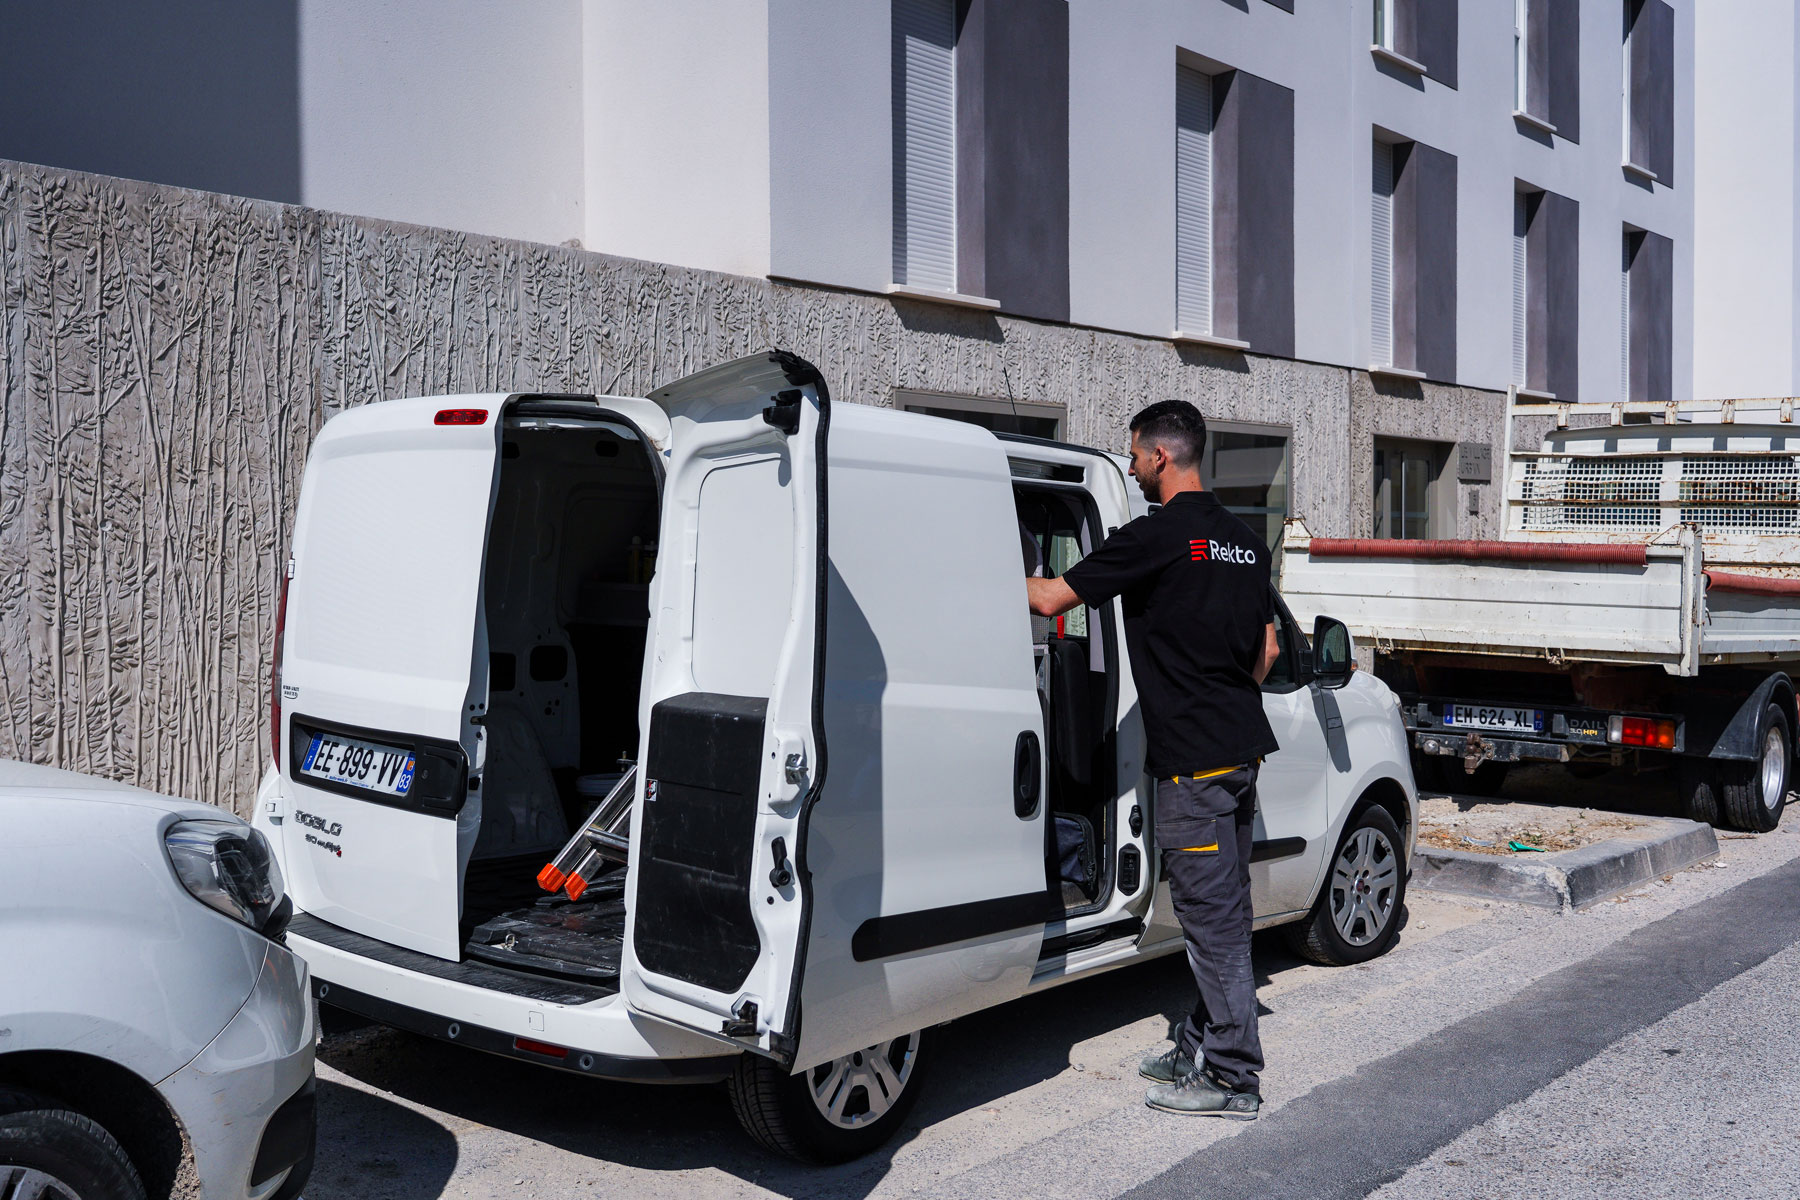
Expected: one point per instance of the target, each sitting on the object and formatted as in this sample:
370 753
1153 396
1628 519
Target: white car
145 997
876 794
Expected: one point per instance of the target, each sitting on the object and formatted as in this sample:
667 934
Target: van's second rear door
382 670
842 834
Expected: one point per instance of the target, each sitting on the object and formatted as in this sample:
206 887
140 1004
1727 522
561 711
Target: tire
1368 855
1697 791
47 1150
1753 794
780 1111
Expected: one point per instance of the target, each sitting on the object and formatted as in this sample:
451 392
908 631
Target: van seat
1071 716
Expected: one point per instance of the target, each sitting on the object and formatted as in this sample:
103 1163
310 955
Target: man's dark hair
1177 427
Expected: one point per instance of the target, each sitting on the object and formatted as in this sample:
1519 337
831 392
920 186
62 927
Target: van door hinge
743 1022
794 769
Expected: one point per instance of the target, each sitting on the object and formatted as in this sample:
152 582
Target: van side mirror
1333 652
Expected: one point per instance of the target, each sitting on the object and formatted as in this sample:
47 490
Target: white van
857 741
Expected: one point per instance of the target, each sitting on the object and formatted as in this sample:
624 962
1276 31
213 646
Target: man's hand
1271 650
1050 596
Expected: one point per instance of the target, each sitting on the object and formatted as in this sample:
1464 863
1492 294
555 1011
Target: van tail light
275 669
1641 731
460 416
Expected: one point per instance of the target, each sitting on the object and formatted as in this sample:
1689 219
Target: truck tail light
275 670
1641 731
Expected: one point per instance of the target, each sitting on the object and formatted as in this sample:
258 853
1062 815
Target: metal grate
1756 493
1722 493
1578 492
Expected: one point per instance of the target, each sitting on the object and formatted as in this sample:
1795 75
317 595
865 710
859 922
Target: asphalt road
1647 1047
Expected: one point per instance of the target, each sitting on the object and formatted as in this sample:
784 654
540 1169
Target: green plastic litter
1523 846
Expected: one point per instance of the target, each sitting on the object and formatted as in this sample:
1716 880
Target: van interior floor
509 924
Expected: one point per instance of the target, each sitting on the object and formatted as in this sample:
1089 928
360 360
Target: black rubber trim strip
904 933
493 1041
288 1141
494 979
1067 943
1277 848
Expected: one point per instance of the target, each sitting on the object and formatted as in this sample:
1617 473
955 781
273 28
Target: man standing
1199 624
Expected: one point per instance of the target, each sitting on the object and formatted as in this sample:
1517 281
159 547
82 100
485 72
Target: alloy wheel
859 1089
1364 882
25 1183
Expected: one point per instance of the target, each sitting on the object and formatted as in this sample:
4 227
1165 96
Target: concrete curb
1568 880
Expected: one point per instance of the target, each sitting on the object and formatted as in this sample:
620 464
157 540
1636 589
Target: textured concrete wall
168 356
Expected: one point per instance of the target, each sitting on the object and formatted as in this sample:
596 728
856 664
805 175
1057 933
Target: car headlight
229 866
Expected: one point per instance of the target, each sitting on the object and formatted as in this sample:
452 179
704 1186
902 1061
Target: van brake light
460 416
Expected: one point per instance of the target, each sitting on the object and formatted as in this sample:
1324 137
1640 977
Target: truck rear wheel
1697 790
831 1113
1754 793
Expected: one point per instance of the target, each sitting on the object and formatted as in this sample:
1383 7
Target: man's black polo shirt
1195 582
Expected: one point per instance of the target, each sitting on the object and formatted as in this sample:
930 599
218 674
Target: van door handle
1027 775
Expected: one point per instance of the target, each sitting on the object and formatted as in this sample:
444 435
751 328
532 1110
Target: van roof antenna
1007 380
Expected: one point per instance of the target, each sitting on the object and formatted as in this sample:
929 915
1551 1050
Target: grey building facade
1034 214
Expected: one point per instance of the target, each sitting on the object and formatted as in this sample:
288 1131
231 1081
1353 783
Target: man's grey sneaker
1198 1094
1171 1066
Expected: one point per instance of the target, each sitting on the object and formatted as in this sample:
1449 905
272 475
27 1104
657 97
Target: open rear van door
380 690
904 883
733 749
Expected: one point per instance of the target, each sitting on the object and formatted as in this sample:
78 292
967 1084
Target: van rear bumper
589 1023
534 1050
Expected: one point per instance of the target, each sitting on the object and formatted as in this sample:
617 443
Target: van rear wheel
831 1113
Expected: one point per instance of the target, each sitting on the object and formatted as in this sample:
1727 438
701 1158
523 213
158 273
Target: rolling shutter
1381 257
1193 201
924 93
1518 290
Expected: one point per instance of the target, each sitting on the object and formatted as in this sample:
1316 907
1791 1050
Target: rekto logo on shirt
1207 550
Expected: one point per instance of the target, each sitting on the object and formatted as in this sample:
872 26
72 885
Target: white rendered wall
831 195
1122 183
1745 309
677 119
464 114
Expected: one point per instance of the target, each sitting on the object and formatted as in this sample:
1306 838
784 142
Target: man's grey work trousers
1204 828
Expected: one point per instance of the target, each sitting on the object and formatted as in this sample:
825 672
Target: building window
1418 35
1545 293
1413 499
1381 256
924 97
1521 63
1646 342
1193 202
1234 209
1521 285
1000 415
1412 259
1647 89
1246 468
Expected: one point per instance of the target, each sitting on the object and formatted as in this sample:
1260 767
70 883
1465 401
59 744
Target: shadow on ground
973 1063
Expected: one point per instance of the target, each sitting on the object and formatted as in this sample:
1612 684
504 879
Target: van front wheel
831 1113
